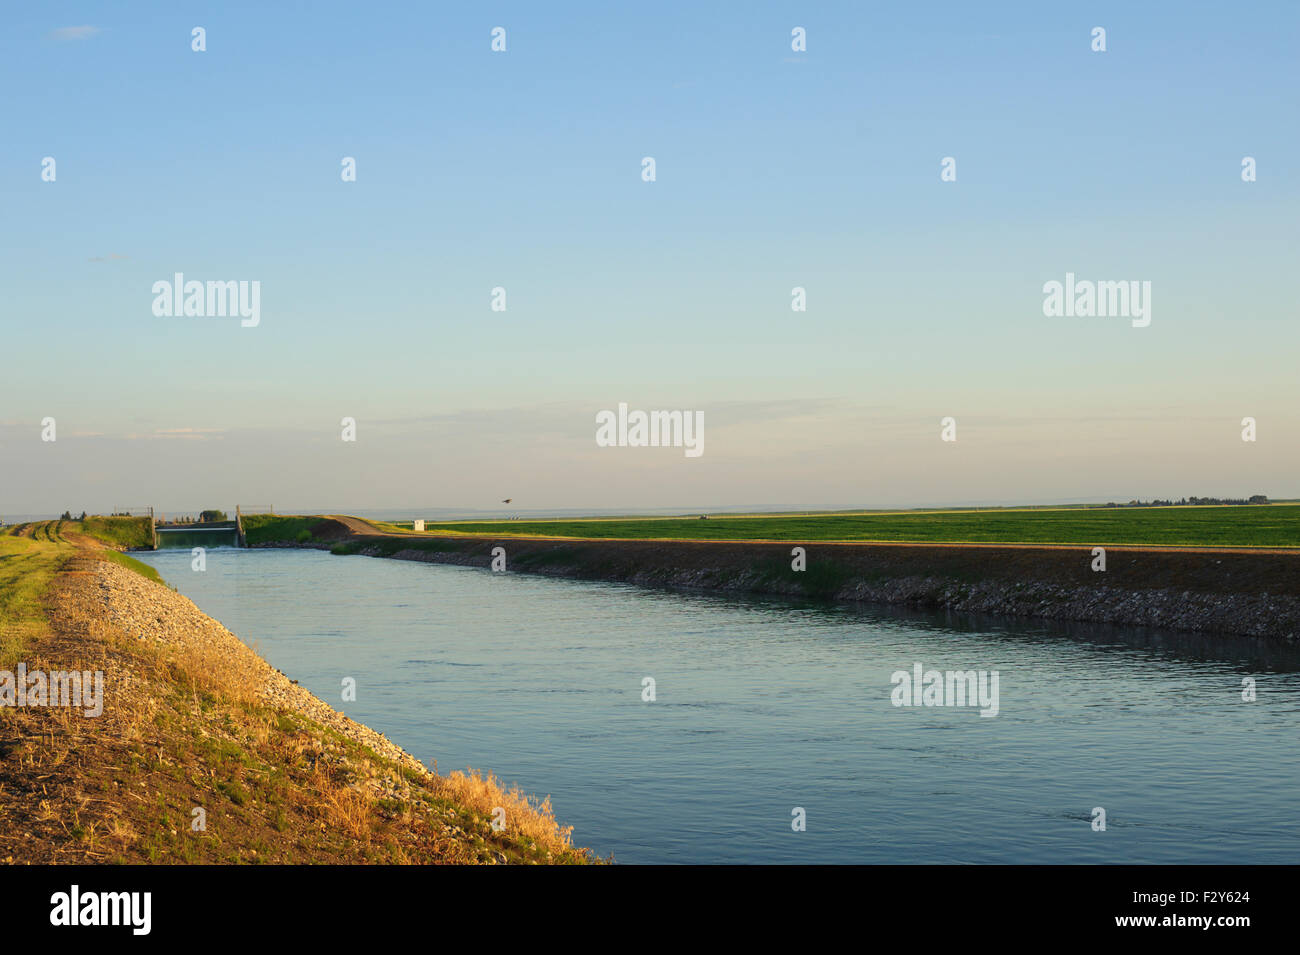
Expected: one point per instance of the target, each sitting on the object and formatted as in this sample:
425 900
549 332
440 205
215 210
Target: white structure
419 525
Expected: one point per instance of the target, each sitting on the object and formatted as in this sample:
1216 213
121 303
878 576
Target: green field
1268 525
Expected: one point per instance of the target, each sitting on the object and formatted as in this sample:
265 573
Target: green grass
130 563
1234 525
386 547
119 531
27 568
278 528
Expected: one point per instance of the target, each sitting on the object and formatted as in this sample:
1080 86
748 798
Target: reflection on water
763 706
205 537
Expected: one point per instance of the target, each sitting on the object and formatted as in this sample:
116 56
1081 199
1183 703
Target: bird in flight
507 500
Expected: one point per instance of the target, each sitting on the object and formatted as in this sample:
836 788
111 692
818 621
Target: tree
206 516
67 516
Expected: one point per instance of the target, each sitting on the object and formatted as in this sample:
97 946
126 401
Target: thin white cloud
190 434
66 34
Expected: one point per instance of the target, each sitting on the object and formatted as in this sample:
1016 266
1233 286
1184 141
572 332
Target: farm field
1276 525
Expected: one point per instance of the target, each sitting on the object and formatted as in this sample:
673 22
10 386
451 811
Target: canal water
763 708
190 537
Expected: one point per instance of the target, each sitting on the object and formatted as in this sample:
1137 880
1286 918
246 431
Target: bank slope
204 753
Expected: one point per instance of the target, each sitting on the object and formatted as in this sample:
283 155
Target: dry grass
526 817
343 806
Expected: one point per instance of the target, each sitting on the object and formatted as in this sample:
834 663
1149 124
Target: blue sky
522 169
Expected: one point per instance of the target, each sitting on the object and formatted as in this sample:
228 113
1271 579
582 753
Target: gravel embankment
149 611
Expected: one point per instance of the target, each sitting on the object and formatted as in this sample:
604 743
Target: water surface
764 706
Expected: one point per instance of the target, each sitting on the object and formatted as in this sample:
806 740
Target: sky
522 169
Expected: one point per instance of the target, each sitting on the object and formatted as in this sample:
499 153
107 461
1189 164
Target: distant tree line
204 517
1253 499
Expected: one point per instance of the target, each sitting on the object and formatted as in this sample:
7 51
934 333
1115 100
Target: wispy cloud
107 258
66 34
188 434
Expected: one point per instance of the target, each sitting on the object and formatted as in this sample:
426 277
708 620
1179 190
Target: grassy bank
116 532
26 571
192 719
37 563
1220 526
281 528
29 565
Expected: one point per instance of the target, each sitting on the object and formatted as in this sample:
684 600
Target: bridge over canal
205 533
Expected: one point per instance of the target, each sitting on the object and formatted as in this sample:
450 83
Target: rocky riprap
1241 594
1246 615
